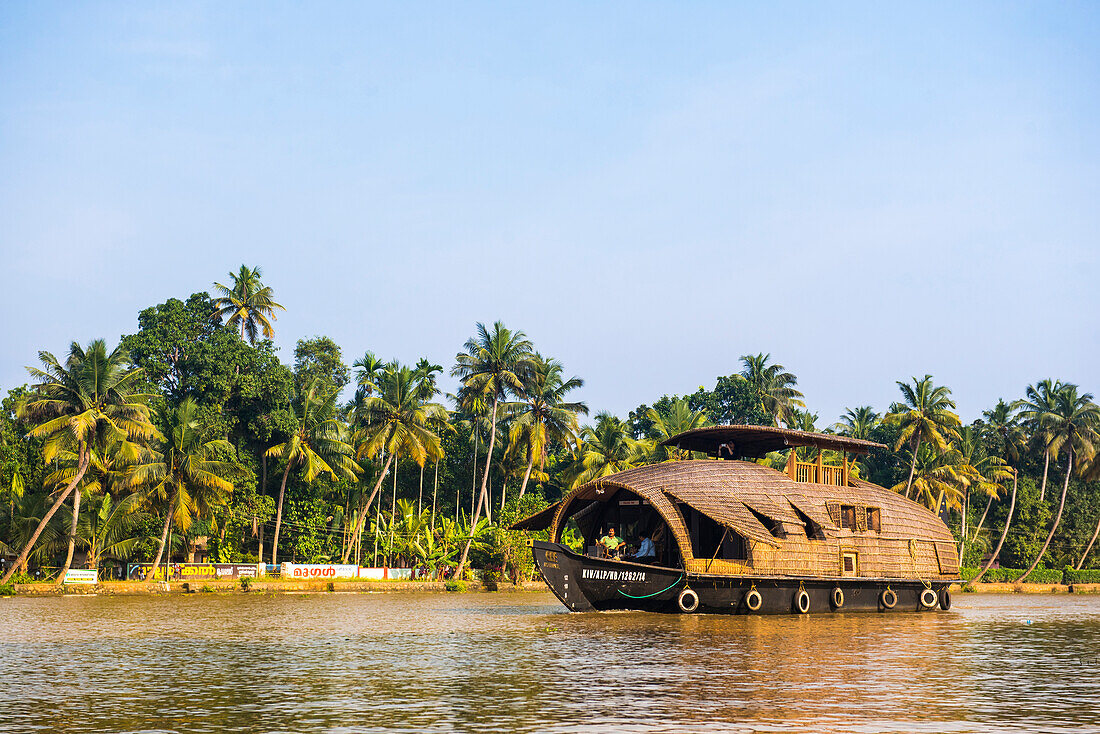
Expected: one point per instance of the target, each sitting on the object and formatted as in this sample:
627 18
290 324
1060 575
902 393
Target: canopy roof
756 441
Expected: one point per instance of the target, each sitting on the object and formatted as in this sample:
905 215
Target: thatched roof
756 441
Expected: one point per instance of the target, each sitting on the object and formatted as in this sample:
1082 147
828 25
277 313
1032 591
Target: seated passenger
611 543
647 553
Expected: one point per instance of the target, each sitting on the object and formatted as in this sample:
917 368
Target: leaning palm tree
607 448
774 388
925 417
982 473
1040 402
1073 425
90 399
543 415
936 478
248 304
676 419
317 444
186 479
1090 472
1001 422
396 420
495 362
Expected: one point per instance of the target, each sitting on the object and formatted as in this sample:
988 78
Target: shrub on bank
1084 576
1009 575
7 589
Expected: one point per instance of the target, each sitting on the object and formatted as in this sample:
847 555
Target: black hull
586 584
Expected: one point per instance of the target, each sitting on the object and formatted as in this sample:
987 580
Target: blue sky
648 190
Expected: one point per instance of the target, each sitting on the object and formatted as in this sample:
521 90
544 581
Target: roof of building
757 441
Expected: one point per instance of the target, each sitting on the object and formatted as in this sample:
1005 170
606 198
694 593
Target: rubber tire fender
945 600
888 598
688 601
753 600
929 599
802 601
838 597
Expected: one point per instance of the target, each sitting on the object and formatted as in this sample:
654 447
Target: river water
518 662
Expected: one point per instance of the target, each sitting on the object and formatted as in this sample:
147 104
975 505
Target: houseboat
734 536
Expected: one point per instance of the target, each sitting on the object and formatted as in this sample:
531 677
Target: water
518 662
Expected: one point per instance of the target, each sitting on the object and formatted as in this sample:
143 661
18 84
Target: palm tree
542 414
1040 401
89 400
368 370
1001 422
185 475
935 478
1072 425
678 418
1091 472
397 420
607 448
858 422
249 304
495 362
107 531
925 416
774 388
426 372
317 444
980 472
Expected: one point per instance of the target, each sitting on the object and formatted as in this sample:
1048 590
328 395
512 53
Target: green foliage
7 589
454 585
1009 575
246 583
319 358
1084 576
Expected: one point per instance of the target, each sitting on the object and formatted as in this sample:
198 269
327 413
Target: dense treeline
191 435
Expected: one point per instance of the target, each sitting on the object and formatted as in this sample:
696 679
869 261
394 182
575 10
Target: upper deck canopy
755 441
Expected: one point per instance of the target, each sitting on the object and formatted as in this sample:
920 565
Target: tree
678 418
1039 403
542 414
495 362
397 420
858 422
1071 424
320 358
607 448
108 529
90 399
774 388
935 478
249 304
925 417
1001 424
186 474
1091 472
980 472
317 444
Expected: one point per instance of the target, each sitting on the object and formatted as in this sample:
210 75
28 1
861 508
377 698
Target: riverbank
268 586
358 586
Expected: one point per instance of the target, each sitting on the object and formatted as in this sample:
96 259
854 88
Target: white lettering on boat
605 574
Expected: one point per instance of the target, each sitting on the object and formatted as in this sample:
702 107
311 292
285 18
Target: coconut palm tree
1002 423
1072 424
1090 472
1039 402
186 477
249 304
774 388
935 478
926 417
89 400
495 362
542 414
368 370
607 448
397 420
108 528
426 374
980 472
678 418
858 422
317 444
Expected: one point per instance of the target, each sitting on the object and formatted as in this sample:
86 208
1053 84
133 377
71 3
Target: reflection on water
518 662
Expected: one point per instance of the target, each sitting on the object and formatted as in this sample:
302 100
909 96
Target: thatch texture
756 441
912 543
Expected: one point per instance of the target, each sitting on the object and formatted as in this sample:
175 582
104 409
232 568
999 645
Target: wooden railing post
819 472
792 466
845 470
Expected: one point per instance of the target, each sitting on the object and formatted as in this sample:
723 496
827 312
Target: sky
866 191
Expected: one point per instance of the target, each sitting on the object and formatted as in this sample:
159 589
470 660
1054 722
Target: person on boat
646 553
612 543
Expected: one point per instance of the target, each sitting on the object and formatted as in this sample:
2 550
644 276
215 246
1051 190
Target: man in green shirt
612 543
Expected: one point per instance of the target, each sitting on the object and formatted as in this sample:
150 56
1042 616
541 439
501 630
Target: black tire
945 600
838 597
929 599
888 598
802 602
753 600
688 601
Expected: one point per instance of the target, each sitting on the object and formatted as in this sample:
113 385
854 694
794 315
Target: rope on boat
647 596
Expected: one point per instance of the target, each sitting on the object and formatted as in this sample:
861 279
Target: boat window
874 519
711 540
849 563
848 517
814 531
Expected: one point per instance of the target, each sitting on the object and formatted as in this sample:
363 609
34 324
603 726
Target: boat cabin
728 515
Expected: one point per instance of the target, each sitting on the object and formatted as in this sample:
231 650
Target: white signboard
81 576
319 571
377 574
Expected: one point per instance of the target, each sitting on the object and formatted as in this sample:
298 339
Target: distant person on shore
646 553
612 543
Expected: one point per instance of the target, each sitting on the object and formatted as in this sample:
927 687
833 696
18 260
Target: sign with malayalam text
318 571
